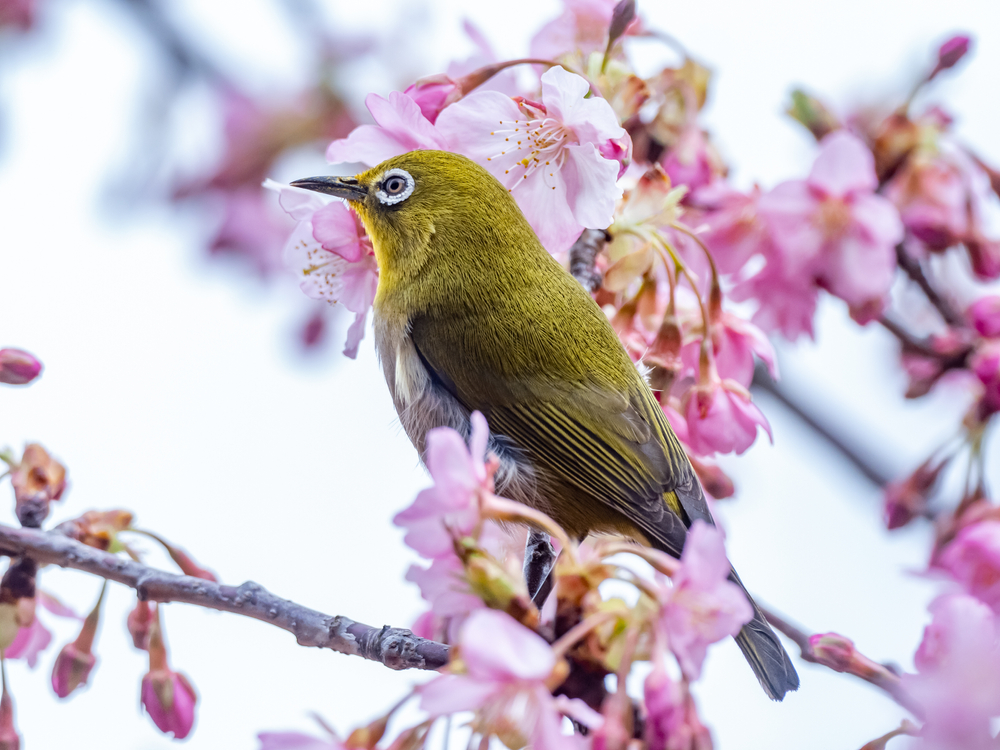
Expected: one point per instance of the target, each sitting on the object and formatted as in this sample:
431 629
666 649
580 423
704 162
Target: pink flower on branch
400 126
560 158
703 606
332 255
973 559
721 418
831 228
672 721
984 314
449 509
509 672
18 367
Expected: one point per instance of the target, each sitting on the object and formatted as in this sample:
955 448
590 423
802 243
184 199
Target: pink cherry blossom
29 643
958 680
688 161
331 254
582 28
552 156
735 342
672 721
832 228
721 418
932 193
985 364
984 314
444 586
400 126
449 509
973 559
504 682
735 231
785 304
905 499
951 52
702 606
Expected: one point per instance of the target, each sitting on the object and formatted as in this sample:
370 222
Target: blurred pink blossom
958 680
553 156
688 162
735 342
734 230
951 52
399 127
721 418
29 642
449 509
984 314
672 721
444 586
251 227
832 228
582 27
169 699
973 559
506 668
702 606
931 192
332 256
784 303
985 364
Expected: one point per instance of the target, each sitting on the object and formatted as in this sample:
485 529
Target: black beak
342 187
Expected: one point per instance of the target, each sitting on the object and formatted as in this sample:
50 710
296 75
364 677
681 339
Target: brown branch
396 648
762 381
915 271
858 665
583 257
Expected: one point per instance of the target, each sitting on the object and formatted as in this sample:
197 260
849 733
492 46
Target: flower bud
433 94
98 529
18 367
76 660
714 480
985 364
984 255
984 314
9 739
838 653
812 113
950 53
167 696
907 499
37 480
139 622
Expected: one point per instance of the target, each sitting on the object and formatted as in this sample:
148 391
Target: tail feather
764 652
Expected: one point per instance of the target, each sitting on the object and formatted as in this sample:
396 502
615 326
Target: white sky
173 390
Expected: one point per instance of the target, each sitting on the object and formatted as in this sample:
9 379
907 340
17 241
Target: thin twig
762 381
874 673
396 648
915 271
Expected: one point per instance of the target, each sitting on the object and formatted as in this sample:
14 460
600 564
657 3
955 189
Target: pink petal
450 693
55 606
448 460
593 120
336 228
844 165
788 211
401 127
355 333
704 555
294 741
497 647
591 186
859 270
29 643
482 128
298 203
543 200
359 282
878 218
479 439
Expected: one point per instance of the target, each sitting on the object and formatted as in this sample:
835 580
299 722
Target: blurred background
189 380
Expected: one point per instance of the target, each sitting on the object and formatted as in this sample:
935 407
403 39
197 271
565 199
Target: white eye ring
391 200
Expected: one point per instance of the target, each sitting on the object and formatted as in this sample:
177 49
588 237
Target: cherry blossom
984 314
29 642
560 158
331 254
296 741
449 509
721 418
506 669
400 126
702 606
672 721
973 559
582 27
832 228
958 680
985 363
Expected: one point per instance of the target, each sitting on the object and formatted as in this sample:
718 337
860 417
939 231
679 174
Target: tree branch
583 256
859 665
914 270
396 648
762 381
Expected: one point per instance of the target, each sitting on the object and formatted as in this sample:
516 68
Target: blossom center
540 141
833 218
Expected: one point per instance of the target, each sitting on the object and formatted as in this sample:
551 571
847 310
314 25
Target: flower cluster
510 665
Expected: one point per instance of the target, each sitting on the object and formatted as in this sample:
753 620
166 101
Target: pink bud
18 367
985 363
9 739
984 314
169 699
434 93
71 670
952 51
139 622
984 255
833 650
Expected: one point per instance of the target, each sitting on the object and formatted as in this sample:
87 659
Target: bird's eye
395 187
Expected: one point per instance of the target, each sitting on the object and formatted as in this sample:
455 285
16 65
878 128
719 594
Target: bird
472 314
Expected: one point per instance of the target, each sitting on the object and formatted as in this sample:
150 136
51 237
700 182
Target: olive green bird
472 313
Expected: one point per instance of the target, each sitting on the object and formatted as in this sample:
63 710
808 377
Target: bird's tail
764 652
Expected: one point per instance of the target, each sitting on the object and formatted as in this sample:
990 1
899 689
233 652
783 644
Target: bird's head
431 209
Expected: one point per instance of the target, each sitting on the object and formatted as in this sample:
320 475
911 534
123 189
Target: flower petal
844 165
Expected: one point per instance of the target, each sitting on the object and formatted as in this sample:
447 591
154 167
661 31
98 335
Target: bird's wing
615 446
